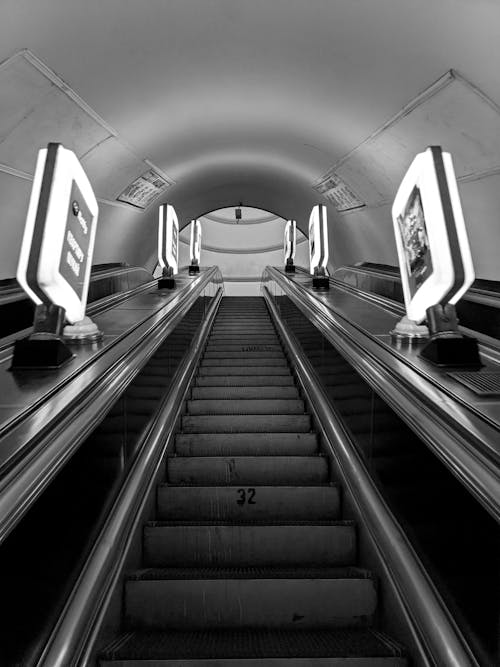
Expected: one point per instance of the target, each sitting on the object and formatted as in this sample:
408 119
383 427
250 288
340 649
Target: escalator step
207 503
352 647
249 545
246 423
226 393
242 380
238 346
244 359
244 353
246 444
243 370
245 406
214 470
156 599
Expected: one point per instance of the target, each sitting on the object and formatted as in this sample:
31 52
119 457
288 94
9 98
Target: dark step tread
246 406
247 423
249 444
249 643
190 573
244 370
242 380
240 524
234 393
237 470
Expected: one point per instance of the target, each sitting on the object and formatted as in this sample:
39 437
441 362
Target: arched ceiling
252 100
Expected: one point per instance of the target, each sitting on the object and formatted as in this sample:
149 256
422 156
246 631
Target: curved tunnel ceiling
251 101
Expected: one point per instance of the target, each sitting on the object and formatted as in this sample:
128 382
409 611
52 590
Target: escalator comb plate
480 382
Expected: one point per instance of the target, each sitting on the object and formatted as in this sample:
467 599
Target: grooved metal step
246 406
244 354
227 393
212 503
243 327
158 599
242 339
247 470
246 423
243 370
239 346
246 444
244 359
244 545
353 647
242 380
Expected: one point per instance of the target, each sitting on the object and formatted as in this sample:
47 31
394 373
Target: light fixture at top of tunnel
238 213
431 238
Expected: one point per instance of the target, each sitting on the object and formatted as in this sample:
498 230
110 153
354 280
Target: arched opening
242 247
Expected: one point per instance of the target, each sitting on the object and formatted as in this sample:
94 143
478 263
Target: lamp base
289 268
40 353
452 352
321 283
194 269
166 283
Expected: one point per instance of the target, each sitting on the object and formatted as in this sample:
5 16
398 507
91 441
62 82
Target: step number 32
246 496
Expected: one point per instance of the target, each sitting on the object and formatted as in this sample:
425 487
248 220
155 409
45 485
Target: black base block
166 283
34 353
193 269
459 352
289 268
321 282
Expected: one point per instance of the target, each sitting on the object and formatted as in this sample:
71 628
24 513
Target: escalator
248 560
251 551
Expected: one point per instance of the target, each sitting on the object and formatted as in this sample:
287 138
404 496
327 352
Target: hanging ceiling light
237 212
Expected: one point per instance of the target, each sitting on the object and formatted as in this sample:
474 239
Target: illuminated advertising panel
168 238
431 239
195 243
290 240
318 240
58 243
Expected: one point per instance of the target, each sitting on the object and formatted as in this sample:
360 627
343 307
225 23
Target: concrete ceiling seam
47 111
452 112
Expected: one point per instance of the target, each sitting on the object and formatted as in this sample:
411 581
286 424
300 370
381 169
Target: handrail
464 442
438 637
14 292
30 475
476 294
73 638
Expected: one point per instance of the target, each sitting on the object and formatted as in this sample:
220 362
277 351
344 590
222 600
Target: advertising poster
415 241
